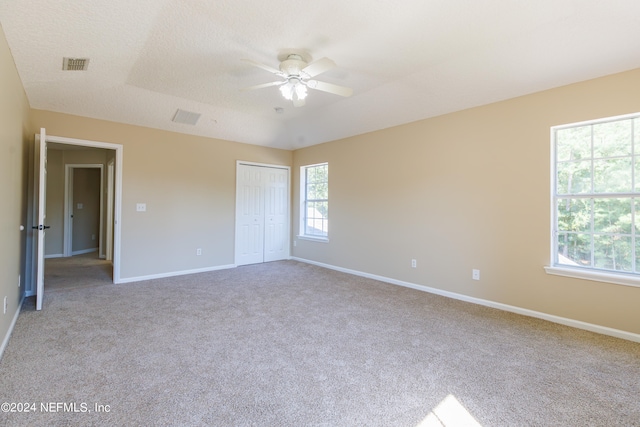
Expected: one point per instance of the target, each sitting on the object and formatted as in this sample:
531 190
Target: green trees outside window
597 195
315 200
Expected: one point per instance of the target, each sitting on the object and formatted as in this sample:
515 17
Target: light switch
141 207
79 206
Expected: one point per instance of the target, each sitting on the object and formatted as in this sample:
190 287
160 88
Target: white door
276 242
41 149
249 215
262 214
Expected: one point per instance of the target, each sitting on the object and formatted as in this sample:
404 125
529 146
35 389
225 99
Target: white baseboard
5 341
84 251
54 256
630 336
174 273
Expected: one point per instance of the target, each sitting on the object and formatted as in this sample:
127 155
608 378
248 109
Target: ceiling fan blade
263 85
330 87
264 67
298 102
318 67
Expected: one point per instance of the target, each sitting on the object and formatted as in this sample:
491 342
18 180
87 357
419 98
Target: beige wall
187 183
468 190
15 135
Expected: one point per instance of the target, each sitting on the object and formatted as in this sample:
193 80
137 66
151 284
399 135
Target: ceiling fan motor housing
292 65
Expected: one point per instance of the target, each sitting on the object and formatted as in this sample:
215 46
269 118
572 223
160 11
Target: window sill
314 239
597 276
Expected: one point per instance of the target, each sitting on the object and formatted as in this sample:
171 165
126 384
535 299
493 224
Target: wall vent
75 64
186 117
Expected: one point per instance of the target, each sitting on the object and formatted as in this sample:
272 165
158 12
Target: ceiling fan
297 73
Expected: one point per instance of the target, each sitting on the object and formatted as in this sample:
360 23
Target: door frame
109 224
288 218
68 206
31 259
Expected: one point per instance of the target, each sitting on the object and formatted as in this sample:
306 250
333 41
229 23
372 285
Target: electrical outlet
295 243
93 237
141 207
199 251
475 274
414 263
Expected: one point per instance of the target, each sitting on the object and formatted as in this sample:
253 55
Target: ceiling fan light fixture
287 91
301 91
293 87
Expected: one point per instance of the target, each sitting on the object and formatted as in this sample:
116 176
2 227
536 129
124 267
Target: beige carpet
77 272
290 344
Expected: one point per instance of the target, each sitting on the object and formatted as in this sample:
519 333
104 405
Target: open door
41 167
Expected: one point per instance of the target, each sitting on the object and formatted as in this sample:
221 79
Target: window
314 188
596 196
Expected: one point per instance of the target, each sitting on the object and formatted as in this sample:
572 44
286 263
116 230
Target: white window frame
303 204
581 272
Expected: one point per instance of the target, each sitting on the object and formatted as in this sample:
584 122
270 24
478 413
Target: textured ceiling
404 60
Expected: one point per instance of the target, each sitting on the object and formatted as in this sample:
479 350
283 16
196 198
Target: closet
262 213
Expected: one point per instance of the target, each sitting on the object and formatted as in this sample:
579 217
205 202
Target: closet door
276 239
249 215
262 214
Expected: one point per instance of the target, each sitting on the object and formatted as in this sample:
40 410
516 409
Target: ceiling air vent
75 64
186 117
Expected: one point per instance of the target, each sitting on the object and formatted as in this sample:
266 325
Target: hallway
78 271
